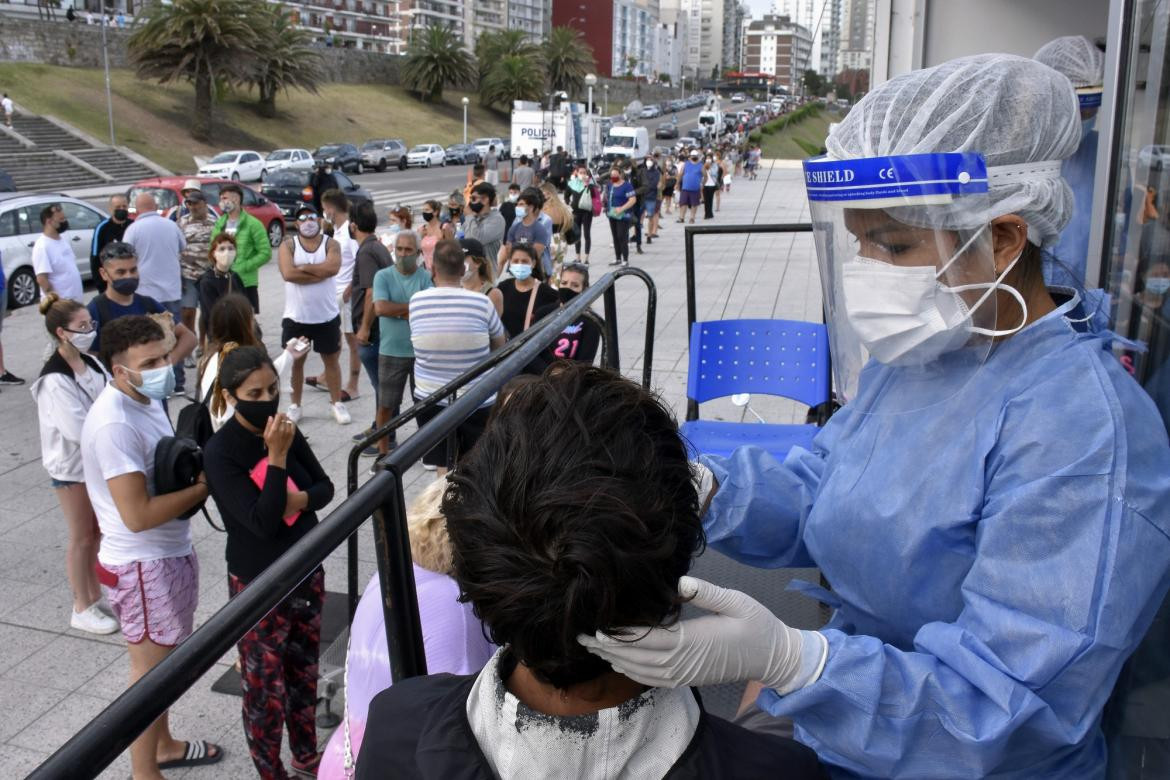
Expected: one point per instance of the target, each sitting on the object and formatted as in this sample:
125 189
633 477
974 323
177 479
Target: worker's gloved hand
740 640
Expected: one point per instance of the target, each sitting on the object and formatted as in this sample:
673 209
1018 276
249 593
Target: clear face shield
907 273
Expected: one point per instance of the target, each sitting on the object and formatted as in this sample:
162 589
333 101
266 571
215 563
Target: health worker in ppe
1083 64
991 505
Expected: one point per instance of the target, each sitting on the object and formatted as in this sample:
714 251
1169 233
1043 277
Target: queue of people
996 544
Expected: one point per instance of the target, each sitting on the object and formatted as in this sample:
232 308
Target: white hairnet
1012 110
1076 57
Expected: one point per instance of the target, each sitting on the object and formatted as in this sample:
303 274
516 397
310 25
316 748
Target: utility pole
106 63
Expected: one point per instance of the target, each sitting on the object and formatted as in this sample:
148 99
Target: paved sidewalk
54 679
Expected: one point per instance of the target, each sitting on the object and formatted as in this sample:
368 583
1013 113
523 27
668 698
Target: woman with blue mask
991 505
524 292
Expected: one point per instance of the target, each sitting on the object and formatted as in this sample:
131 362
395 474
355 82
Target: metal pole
396 579
605 95
611 327
465 124
106 63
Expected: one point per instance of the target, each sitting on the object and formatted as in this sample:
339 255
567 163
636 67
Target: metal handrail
100 741
710 230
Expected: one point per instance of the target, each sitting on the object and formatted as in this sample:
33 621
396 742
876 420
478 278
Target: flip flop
312 382
197 754
346 397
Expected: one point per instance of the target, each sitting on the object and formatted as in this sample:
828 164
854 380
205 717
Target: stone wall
79 45
623 92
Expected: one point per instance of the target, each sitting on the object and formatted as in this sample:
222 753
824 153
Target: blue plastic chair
786 358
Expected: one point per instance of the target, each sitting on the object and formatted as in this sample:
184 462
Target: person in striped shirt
452 330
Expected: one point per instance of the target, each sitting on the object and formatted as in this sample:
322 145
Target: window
343 182
8 224
28 220
80 217
249 196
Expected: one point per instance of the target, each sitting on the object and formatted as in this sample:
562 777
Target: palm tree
200 41
493 46
512 78
436 58
568 59
285 58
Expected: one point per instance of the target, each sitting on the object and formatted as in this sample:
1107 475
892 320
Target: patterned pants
279 663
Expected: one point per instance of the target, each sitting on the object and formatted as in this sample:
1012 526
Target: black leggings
620 229
709 202
584 221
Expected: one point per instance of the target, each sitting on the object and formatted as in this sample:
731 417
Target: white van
632 142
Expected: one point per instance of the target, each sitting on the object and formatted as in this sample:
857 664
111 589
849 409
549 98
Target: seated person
575 512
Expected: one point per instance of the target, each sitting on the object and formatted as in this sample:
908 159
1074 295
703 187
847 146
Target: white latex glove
740 640
704 482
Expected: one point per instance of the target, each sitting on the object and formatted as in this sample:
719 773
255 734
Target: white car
288 160
649 112
483 144
238 165
426 155
20 226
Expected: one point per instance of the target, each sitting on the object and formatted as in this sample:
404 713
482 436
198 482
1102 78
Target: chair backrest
787 358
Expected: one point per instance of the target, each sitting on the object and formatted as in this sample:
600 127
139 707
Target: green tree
631 66
813 84
568 60
494 45
201 41
514 77
436 58
284 58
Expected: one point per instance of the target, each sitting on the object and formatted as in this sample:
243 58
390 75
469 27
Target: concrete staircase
42 154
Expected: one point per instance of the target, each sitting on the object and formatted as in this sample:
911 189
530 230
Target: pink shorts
154 599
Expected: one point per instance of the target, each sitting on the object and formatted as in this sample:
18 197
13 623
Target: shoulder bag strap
531 305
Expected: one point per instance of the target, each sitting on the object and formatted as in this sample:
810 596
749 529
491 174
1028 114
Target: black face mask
125 286
121 215
256 413
566 295
63 226
476 207
427 216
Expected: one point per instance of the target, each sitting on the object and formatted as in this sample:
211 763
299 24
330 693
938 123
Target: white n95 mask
905 316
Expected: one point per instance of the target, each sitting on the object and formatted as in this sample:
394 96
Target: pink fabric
156 600
259 472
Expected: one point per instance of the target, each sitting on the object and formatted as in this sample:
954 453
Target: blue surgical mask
157 383
520 271
1158 285
521 211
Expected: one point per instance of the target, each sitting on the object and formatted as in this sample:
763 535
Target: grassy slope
152 119
783 146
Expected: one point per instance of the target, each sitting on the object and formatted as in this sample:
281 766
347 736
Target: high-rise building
734 13
450 14
673 39
482 16
822 18
380 25
857 37
634 35
704 50
779 47
534 17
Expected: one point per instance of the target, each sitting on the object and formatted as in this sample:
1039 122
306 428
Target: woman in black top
525 292
268 486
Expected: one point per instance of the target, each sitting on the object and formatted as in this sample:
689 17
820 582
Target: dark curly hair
574 512
123 333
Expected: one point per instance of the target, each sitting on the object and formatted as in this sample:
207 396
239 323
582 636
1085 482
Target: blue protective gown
1072 248
994 558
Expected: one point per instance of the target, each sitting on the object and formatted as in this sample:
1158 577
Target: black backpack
195 422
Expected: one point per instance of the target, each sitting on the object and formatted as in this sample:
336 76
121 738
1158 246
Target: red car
167 191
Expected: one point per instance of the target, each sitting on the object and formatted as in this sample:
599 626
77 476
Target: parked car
425 155
288 160
666 130
238 166
662 151
167 191
739 97
483 144
461 154
685 143
343 157
380 154
1154 157
649 112
20 225
290 190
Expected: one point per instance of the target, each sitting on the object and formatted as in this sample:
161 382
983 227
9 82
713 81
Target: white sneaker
104 606
93 620
294 412
341 414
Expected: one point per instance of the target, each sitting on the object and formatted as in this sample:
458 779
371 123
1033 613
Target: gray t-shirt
523 176
491 161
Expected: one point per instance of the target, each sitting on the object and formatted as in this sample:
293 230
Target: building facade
778 47
734 14
822 18
635 28
371 25
857 35
534 17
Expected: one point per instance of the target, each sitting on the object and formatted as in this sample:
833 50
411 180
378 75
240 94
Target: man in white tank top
308 262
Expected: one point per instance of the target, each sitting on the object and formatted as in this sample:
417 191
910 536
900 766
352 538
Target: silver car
383 154
20 226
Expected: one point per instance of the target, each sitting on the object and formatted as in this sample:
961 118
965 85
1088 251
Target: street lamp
590 82
465 101
605 95
106 64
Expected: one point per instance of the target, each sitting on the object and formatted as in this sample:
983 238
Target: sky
759 7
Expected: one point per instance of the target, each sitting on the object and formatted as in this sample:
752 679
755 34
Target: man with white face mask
308 263
991 503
